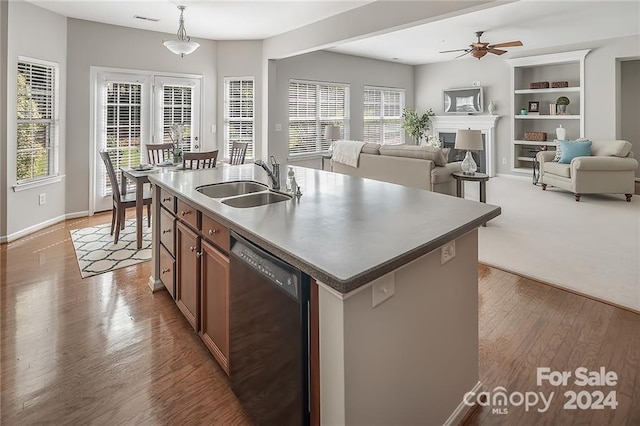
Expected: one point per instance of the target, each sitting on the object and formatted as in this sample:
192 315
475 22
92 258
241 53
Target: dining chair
199 160
238 152
159 152
121 202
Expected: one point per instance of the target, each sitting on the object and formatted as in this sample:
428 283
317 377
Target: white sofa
609 170
409 165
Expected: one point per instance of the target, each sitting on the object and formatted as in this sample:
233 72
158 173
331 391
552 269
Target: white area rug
96 252
591 247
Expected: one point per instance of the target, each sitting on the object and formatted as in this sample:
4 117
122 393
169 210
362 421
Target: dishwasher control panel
261 263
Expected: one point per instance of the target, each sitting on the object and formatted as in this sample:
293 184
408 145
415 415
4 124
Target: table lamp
470 140
331 133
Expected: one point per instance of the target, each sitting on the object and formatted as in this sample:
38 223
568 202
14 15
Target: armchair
610 169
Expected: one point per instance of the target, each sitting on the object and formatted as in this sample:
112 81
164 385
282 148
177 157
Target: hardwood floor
105 350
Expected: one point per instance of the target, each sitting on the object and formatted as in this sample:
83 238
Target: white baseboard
40 226
461 411
155 285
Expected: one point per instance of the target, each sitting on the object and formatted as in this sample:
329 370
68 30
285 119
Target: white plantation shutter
123 125
239 100
383 115
312 106
36 156
176 109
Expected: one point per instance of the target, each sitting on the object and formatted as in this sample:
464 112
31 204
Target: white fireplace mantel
484 123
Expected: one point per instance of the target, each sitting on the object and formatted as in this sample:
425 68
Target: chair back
238 152
159 152
115 186
199 160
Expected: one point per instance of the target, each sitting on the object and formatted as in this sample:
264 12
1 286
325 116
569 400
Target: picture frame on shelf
534 106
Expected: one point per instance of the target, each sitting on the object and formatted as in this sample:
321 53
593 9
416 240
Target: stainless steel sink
230 189
257 199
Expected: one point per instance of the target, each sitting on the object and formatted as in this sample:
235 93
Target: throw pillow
572 149
558 152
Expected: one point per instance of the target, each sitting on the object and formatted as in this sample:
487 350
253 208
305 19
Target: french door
133 110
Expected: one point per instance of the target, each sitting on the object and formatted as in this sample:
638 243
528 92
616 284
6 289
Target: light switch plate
383 289
278 127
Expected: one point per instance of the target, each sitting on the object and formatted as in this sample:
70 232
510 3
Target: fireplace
445 127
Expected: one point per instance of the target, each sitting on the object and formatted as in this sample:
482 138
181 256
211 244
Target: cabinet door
215 303
167 222
187 297
167 267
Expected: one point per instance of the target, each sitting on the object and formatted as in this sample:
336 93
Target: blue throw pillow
571 149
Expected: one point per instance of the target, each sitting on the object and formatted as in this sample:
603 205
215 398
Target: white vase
561 133
492 108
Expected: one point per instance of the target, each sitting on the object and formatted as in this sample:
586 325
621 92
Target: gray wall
630 105
45 39
331 67
95 44
494 74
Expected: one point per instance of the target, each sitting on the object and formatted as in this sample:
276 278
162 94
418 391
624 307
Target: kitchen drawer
188 214
167 268
215 232
167 200
167 231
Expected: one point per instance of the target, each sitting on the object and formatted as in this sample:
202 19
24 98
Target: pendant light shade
183 45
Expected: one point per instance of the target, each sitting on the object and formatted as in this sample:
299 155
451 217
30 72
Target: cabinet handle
184 213
192 248
164 271
166 199
166 231
213 231
199 254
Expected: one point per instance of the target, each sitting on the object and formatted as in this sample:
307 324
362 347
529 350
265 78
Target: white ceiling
538 24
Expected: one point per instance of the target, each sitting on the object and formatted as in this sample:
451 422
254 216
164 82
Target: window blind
383 115
176 109
239 99
312 106
36 121
123 107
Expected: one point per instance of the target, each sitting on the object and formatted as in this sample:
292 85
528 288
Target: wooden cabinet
167 271
567 66
187 277
214 307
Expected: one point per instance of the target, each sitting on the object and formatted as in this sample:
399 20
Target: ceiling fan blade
497 51
507 44
459 56
456 50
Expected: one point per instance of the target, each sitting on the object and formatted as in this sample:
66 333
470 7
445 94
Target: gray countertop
344 231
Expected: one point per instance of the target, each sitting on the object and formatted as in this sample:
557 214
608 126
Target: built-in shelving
567 66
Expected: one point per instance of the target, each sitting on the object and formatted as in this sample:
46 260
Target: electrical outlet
447 252
213 128
504 160
278 127
383 289
42 199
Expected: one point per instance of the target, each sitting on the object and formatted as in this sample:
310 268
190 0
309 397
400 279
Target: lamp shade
332 133
181 47
469 140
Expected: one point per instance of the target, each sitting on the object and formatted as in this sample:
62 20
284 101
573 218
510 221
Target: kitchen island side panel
411 359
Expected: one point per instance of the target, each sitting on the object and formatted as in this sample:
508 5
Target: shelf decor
562 103
559 84
535 136
539 85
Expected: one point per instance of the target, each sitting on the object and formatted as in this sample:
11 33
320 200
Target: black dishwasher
268 335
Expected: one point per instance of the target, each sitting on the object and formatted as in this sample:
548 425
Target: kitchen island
395 272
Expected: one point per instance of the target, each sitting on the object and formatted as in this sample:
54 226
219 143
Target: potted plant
562 103
416 125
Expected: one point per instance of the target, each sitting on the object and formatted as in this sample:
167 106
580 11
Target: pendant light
183 45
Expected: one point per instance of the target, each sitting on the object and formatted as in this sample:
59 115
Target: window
312 106
176 109
37 117
383 115
238 113
123 126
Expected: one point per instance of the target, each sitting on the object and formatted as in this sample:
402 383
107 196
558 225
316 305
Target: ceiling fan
479 48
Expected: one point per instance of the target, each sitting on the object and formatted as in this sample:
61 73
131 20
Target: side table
477 177
325 157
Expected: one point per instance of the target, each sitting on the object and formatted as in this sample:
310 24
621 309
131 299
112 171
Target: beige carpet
591 247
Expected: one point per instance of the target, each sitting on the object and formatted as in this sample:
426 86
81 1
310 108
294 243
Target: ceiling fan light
183 45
